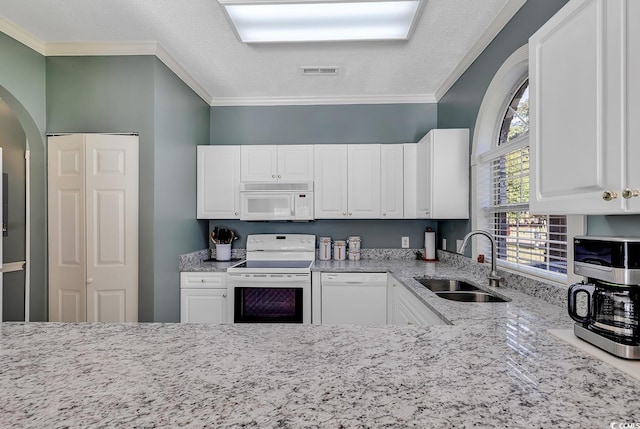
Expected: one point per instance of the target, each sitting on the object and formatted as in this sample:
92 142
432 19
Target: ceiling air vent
319 70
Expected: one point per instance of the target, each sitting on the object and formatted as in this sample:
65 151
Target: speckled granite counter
496 367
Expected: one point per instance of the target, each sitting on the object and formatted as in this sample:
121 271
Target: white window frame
488 122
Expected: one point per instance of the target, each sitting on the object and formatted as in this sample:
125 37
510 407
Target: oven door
270 298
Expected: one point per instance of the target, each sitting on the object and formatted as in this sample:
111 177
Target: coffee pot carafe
611 310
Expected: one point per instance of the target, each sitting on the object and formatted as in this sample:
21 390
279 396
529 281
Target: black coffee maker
607 306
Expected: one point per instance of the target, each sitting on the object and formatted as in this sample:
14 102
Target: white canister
354 243
324 248
339 250
354 255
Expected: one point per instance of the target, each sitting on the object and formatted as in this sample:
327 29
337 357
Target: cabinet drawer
203 280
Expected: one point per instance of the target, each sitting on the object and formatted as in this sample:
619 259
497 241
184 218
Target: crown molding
16 32
324 100
505 15
88 49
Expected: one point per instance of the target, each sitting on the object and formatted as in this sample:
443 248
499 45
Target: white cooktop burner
278 253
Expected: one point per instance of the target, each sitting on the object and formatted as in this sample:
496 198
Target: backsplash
551 293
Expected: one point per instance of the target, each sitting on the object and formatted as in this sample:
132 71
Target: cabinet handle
202 280
224 295
89 280
629 193
350 214
236 213
344 213
279 176
409 323
273 176
384 214
609 195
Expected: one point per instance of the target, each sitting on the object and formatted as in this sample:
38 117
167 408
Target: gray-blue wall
352 124
459 107
139 94
22 88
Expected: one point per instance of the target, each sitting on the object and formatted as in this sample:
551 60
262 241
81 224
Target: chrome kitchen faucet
494 277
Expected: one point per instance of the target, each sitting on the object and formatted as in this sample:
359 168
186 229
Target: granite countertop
496 366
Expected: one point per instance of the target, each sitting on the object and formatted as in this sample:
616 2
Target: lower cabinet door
409 310
203 306
354 304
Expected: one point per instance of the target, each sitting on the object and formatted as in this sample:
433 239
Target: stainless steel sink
458 290
470 296
444 285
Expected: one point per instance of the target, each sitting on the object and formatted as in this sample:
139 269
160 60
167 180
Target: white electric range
273 284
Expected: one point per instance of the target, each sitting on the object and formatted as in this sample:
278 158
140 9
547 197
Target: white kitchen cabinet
218 182
204 298
269 163
392 181
347 181
584 128
330 181
406 309
442 173
354 298
410 180
363 181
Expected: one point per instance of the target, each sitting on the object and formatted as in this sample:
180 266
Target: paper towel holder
430 254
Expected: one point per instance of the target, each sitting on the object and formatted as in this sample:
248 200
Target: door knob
629 193
609 195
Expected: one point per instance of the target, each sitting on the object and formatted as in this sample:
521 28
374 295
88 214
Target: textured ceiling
197 35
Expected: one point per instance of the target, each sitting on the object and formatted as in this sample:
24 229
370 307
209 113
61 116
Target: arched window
536 244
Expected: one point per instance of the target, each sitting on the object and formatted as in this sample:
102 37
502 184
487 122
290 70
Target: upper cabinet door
218 173
633 106
330 181
442 187
581 107
259 163
364 181
295 163
391 181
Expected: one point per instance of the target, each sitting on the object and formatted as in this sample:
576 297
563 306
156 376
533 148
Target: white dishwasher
354 298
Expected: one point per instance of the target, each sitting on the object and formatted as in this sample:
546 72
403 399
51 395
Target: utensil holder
223 252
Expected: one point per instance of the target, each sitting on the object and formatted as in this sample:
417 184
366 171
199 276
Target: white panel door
218 184
631 102
258 163
295 163
392 181
574 156
364 181
112 228
330 181
66 224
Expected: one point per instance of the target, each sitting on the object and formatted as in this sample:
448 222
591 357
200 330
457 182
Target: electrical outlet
405 242
458 245
444 244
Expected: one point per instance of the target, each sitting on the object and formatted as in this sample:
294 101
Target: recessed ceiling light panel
322 20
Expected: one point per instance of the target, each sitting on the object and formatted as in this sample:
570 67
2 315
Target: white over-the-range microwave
276 201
